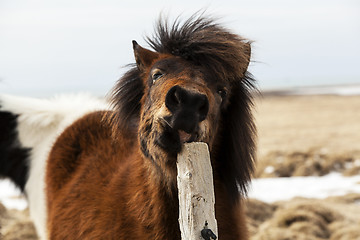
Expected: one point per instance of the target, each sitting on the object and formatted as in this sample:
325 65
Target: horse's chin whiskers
165 121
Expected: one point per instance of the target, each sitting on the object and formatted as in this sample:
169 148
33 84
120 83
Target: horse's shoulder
86 143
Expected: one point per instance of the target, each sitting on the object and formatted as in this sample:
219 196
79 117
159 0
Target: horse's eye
222 92
156 75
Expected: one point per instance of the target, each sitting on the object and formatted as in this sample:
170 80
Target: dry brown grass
16 225
335 218
332 218
300 123
310 163
308 136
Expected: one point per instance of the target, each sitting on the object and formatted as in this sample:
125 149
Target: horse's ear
144 57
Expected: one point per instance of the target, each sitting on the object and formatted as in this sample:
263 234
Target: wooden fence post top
196 191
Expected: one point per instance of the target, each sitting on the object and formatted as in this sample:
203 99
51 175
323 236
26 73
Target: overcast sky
50 47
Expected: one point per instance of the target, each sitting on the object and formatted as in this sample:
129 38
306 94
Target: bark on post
196 191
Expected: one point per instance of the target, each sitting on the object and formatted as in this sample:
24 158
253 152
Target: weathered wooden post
196 191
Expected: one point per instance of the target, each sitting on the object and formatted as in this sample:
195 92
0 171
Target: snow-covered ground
265 189
340 90
10 196
276 189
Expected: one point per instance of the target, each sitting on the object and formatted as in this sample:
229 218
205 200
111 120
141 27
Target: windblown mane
203 42
225 55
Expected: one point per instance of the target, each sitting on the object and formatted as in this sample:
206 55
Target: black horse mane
203 42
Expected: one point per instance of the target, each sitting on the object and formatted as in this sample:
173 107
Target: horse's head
180 104
191 87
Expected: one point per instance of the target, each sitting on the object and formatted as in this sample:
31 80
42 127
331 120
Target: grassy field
302 123
297 136
307 136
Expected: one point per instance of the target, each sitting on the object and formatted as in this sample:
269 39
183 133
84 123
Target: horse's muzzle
188 109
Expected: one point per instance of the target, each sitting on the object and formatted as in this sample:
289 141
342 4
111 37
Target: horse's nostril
172 99
179 100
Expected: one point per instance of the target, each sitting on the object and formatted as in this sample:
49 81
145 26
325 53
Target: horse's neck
149 203
153 184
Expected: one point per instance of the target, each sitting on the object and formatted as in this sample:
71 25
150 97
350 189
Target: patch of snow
340 90
357 163
277 189
264 189
10 196
269 169
348 165
348 91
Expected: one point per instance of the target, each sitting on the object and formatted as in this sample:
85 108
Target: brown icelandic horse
112 174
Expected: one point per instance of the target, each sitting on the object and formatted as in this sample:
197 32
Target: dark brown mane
202 41
225 55
125 98
237 145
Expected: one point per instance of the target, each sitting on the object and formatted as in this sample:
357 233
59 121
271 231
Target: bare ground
298 136
290 124
331 218
307 136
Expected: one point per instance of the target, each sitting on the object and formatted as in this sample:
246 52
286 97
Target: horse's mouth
186 137
172 140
